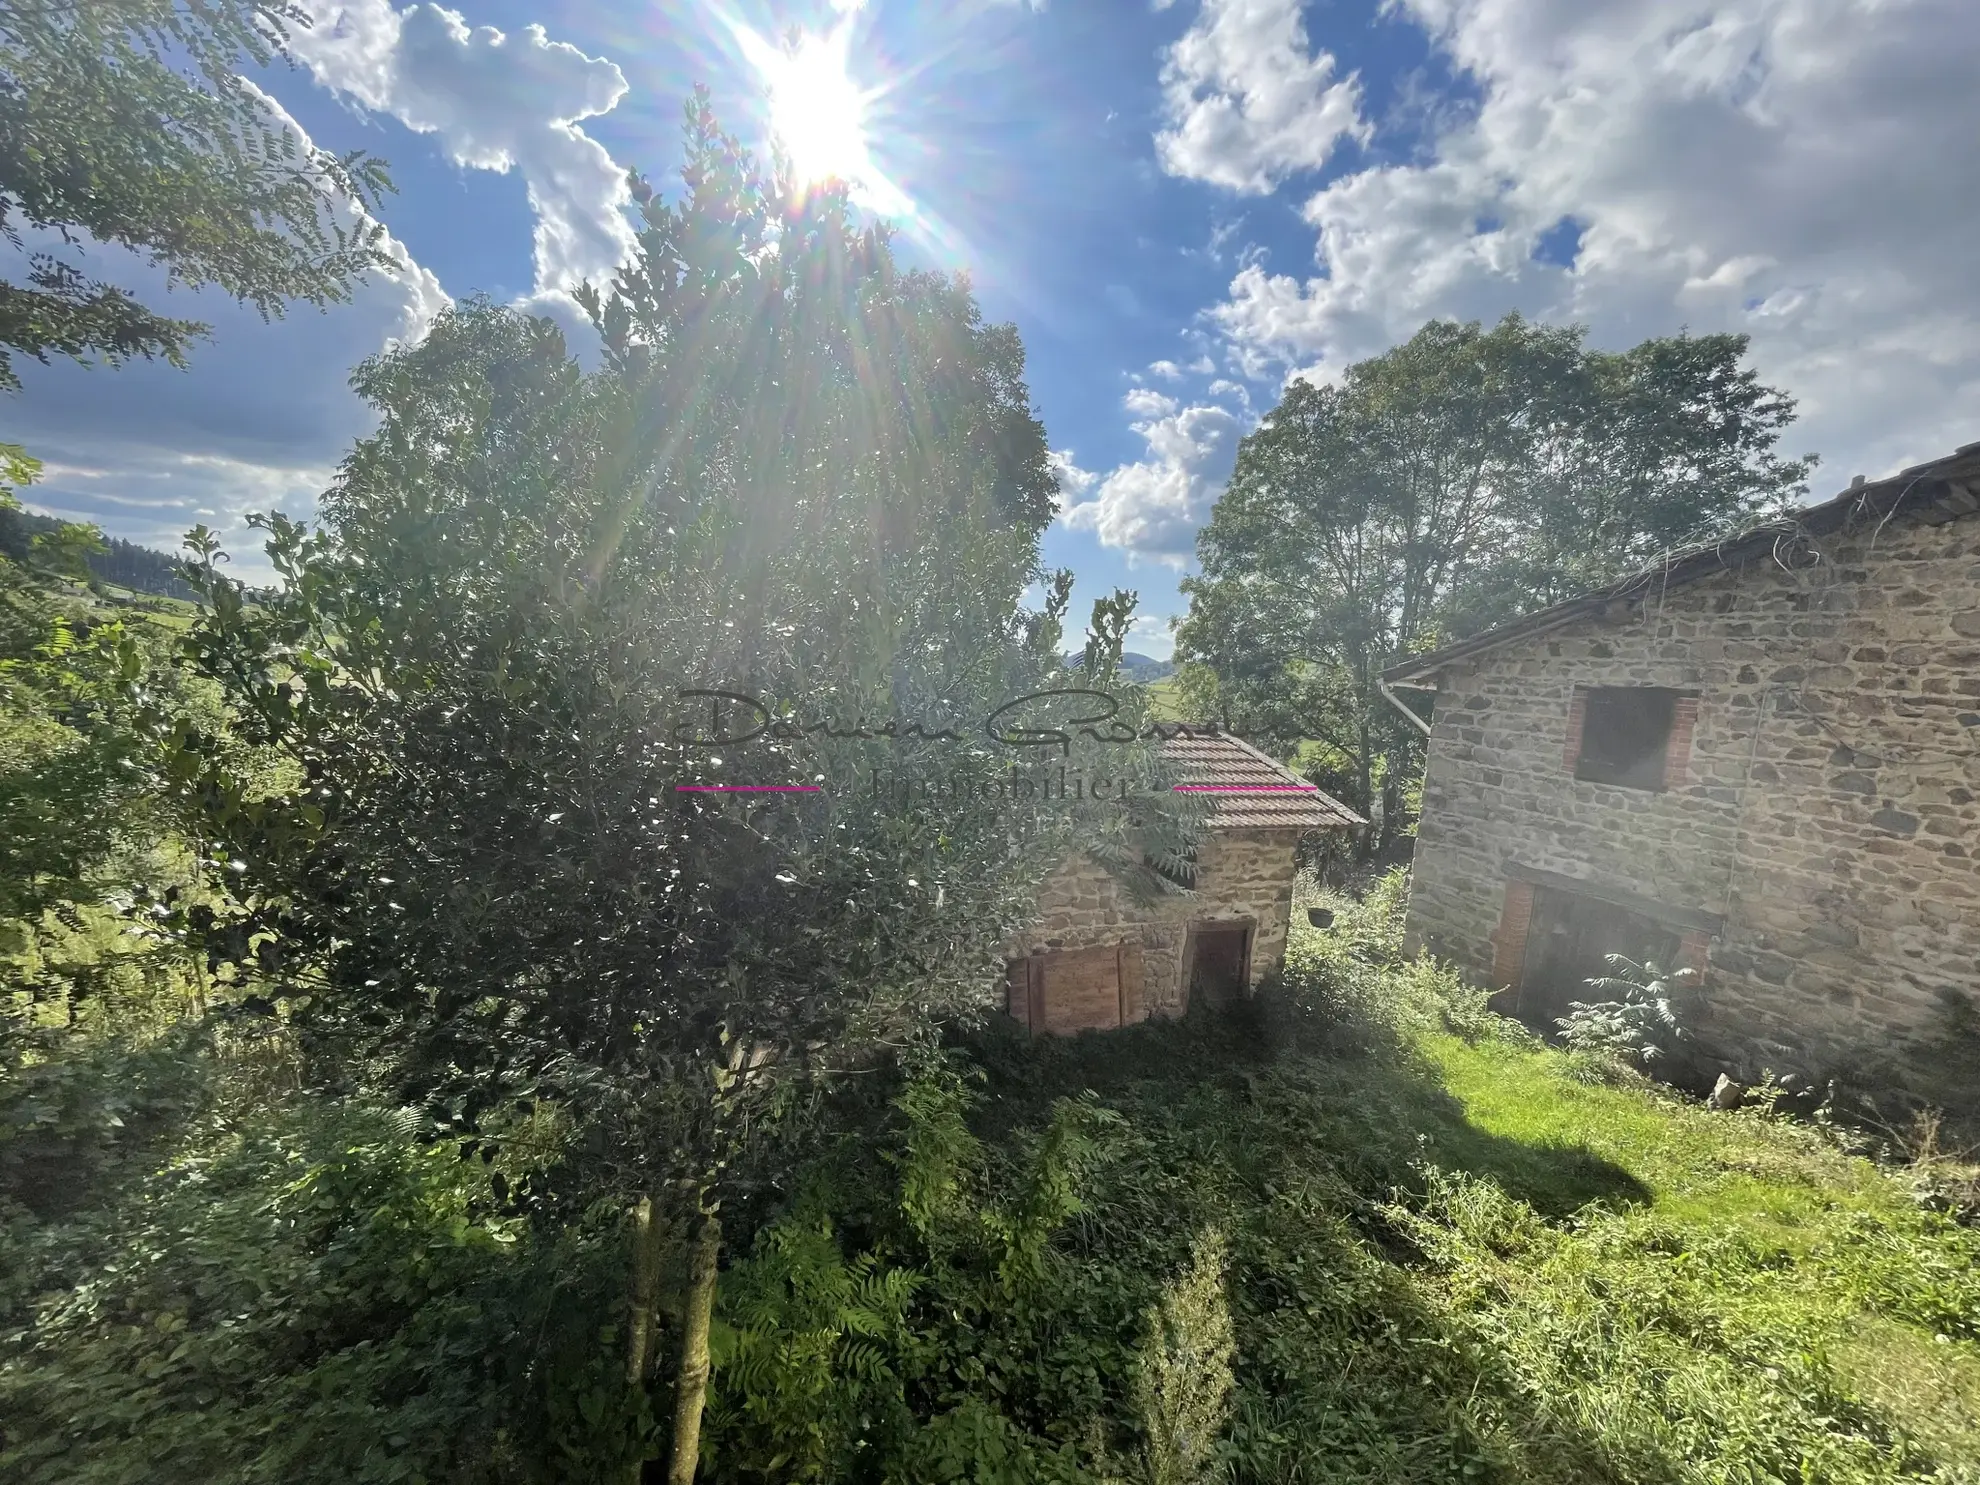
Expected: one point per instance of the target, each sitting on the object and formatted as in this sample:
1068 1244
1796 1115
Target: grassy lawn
1772 1308
1695 1165
1459 1254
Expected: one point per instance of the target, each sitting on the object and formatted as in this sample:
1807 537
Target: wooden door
1072 990
1568 942
1219 964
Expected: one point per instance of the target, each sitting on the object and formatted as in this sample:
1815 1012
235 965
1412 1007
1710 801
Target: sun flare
819 115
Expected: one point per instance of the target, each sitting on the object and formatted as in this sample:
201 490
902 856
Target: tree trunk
691 1385
642 1303
645 1296
1371 840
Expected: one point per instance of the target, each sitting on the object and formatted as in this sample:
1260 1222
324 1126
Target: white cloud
265 412
1152 508
1074 483
1248 103
1799 170
1149 634
1167 370
259 420
497 102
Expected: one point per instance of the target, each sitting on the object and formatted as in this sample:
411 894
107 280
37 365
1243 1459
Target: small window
1626 735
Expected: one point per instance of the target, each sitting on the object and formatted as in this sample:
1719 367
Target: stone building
1095 958
1761 760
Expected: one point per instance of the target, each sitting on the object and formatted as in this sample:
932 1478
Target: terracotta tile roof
1248 791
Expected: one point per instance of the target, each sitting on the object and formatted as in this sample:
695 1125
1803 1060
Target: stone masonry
1243 876
1817 836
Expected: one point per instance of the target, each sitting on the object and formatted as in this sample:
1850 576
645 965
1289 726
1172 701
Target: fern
1640 1019
1183 1387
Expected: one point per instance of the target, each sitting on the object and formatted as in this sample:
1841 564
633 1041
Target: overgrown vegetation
402 1080
1368 1231
1639 1019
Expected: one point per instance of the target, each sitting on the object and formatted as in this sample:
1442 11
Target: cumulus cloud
1074 483
495 101
1799 170
1248 103
263 415
259 420
1152 507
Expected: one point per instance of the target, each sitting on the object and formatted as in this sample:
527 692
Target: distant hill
1143 668
124 563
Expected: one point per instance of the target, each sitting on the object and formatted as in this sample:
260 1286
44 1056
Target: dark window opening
1626 735
1180 869
1568 941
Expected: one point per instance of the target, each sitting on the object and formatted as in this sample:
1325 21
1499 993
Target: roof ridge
1700 559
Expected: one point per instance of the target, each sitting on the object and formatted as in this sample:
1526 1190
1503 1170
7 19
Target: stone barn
1095 958
1760 760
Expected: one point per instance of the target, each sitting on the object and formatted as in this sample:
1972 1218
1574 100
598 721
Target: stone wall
1242 875
1827 812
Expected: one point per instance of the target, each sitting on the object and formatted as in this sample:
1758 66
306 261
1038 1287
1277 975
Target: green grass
1774 1180
1165 700
1460 1254
1775 1309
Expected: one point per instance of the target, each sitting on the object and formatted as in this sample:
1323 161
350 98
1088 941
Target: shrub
314 1293
1183 1386
1640 1022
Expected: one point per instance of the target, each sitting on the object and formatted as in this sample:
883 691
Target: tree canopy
1465 477
501 870
128 122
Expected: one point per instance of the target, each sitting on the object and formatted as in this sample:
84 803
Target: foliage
804 478
1460 479
1182 1388
88 844
900 1360
1449 1258
303 1293
1640 1022
130 122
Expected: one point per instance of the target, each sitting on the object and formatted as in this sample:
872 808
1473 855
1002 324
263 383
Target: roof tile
1248 790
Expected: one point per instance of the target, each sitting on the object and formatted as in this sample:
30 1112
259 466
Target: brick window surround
1694 952
1677 750
1509 942
1677 742
1577 719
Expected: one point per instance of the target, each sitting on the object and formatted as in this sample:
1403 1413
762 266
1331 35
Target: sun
819 115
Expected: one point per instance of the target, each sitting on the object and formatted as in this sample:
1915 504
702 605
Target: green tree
802 475
1454 482
72 779
129 122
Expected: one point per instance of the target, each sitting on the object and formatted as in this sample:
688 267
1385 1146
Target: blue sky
1179 204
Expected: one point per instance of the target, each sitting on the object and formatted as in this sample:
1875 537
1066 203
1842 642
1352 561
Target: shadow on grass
1376 1109
1346 1371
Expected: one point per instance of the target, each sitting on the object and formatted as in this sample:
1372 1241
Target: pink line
1247 788
749 788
